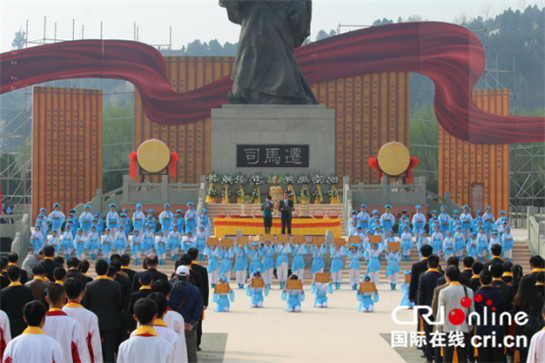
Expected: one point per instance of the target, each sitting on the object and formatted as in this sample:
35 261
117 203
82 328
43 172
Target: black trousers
491 355
109 344
267 223
286 222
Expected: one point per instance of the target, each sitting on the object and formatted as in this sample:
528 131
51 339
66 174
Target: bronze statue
266 71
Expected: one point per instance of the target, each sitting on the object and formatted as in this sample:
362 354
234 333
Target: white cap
182 271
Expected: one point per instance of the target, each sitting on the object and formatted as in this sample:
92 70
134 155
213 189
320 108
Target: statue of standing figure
266 71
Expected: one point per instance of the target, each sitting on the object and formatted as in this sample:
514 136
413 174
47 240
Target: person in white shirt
5 333
145 345
164 331
86 318
44 349
63 328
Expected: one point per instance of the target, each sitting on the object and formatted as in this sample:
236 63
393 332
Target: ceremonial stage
254 226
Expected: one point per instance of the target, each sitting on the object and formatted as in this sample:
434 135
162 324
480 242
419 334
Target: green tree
19 40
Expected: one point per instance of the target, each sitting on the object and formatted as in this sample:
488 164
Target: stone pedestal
273 125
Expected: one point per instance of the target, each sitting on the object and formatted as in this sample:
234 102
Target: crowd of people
482 294
114 313
65 315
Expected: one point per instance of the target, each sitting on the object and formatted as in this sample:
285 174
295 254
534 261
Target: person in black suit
83 268
205 291
144 291
507 276
498 283
418 268
452 261
48 263
4 281
475 280
13 260
125 267
426 285
286 209
13 298
73 263
103 297
467 272
496 257
488 292
151 263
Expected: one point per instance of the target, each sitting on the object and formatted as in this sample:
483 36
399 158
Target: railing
19 231
386 193
536 234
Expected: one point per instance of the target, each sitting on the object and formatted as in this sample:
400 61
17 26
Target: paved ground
336 334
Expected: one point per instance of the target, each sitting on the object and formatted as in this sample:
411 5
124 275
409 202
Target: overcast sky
205 20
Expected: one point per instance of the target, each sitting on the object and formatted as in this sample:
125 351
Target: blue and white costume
449 246
226 265
241 266
407 244
268 252
392 269
121 242
354 256
387 220
488 221
282 263
507 244
320 290
37 239
437 241
293 299
174 240
483 244
494 240
318 263
298 263
213 267
204 220
112 220
254 254
190 219
368 299
467 221
373 265
363 218
472 245
106 246
54 241
336 265
165 218
86 220
200 240
188 242
222 300
67 244
148 240
405 290
256 293
56 218
161 247
418 221
139 219
459 242
80 243
136 246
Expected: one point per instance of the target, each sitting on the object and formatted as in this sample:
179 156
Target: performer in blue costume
472 247
363 218
165 218
203 219
459 242
148 240
256 293
112 220
200 240
225 253
86 220
213 267
418 221
67 244
174 239
54 241
320 290
467 221
106 245
190 218
282 249
367 299
387 220
139 219
437 240
298 262
56 218
254 253
336 265
161 247
318 263
444 220
121 242
136 246
407 243
268 252
507 244
488 221
37 238
405 301
354 255
392 269
150 219
180 220
241 266
373 264
449 246
483 244
222 300
293 298
80 243
125 221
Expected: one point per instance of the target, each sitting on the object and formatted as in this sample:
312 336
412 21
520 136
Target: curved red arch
450 55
